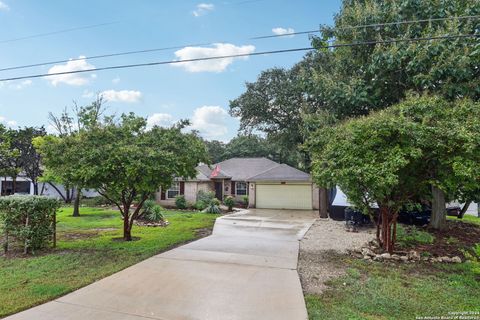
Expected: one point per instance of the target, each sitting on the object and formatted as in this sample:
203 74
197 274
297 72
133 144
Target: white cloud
21 85
87 94
202 9
210 121
214 65
159 119
282 31
128 96
74 79
4 6
7 122
116 80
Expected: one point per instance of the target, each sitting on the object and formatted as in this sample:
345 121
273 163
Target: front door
219 190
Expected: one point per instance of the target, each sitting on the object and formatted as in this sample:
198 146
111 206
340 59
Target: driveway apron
245 270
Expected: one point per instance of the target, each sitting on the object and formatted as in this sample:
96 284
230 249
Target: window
174 190
241 188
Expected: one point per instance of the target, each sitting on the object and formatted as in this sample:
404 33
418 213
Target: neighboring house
24 186
266 183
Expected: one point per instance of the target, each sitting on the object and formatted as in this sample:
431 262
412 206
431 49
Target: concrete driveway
245 270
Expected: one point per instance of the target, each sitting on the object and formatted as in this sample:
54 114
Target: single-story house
266 183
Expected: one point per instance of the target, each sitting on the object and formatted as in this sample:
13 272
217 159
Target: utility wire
368 26
109 55
38 35
155 63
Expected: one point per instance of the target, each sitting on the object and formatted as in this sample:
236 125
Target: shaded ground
453 241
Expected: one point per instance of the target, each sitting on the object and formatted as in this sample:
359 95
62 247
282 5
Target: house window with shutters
174 190
241 188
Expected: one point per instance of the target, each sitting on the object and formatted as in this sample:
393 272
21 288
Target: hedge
28 219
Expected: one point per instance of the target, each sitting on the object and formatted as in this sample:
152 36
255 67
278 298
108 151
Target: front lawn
372 290
87 251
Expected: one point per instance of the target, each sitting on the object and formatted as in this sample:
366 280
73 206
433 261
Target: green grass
467 218
408 236
86 252
380 291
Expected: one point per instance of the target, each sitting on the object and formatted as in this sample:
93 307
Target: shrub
229 202
212 208
200 205
205 196
215 202
407 237
29 219
245 200
156 214
152 211
180 202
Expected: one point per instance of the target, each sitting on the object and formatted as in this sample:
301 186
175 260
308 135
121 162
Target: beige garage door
284 196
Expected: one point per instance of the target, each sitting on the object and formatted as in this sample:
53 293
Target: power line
368 26
155 63
109 55
38 35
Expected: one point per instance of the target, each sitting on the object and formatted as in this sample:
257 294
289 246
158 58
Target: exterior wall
251 195
205 186
315 197
190 192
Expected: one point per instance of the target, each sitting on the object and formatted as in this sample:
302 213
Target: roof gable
281 172
252 169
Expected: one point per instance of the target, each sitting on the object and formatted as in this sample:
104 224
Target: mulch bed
457 236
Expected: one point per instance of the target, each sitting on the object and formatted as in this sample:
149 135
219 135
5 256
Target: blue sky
199 92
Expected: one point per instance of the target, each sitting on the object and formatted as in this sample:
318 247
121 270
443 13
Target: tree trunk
68 195
323 202
127 228
438 219
58 191
388 232
76 203
35 188
464 209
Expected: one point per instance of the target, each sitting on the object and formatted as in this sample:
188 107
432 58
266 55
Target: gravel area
322 250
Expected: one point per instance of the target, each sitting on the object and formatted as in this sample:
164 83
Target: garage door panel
284 196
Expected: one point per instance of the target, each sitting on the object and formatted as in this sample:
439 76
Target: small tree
373 160
59 169
126 163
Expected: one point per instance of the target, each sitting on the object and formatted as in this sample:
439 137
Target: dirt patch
322 250
90 233
452 241
203 232
120 239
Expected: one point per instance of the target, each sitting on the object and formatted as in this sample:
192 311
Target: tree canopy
393 157
125 162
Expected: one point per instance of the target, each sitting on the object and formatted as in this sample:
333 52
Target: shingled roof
281 172
252 169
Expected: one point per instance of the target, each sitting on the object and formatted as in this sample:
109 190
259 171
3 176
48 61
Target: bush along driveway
87 250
